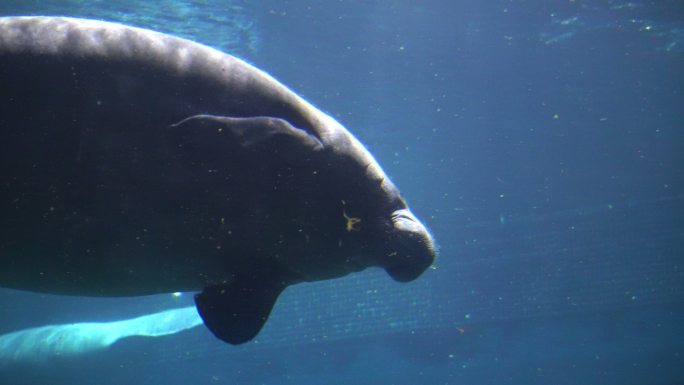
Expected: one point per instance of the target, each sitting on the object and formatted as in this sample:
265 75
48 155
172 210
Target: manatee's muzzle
413 249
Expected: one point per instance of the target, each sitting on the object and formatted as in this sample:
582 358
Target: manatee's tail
41 343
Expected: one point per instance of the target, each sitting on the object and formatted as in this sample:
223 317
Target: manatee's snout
412 247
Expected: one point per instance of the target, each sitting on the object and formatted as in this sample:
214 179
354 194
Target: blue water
543 144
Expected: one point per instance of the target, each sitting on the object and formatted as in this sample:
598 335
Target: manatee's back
102 192
96 184
80 153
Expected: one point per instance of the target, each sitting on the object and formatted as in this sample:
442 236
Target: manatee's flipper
236 311
274 135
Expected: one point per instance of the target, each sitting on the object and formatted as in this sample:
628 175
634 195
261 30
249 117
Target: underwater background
541 141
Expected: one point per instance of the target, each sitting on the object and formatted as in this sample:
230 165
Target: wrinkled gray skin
135 163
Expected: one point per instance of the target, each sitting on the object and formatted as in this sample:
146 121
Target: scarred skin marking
353 224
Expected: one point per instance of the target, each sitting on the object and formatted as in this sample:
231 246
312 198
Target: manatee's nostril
414 248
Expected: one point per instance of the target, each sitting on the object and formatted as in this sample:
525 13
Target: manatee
134 163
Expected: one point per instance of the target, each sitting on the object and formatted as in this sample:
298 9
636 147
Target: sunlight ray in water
41 343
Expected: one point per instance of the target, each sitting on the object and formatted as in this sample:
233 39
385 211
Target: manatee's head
378 223
409 249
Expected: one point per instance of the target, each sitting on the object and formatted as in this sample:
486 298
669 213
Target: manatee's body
134 163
